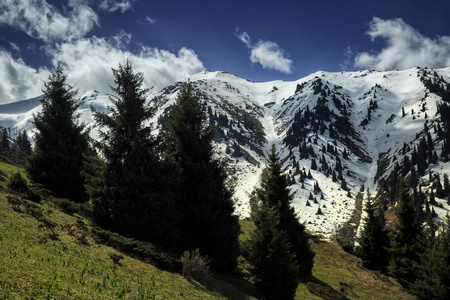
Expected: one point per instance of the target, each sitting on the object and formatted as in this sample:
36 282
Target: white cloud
405 47
43 21
89 62
115 5
245 38
14 47
267 53
121 40
150 20
19 81
271 56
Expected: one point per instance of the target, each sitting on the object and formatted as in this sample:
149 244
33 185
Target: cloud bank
405 47
19 81
267 53
41 20
88 60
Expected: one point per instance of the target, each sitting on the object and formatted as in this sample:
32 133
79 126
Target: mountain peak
337 133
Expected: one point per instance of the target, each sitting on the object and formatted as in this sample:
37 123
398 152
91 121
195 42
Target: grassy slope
65 262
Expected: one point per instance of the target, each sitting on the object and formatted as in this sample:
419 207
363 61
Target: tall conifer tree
373 240
204 202
275 192
60 140
5 142
406 242
433 279
273 264
136 198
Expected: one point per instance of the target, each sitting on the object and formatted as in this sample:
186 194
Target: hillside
344 132
46 253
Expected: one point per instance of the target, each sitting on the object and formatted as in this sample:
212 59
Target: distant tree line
417 256
15 147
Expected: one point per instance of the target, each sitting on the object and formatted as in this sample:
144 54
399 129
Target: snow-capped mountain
338 134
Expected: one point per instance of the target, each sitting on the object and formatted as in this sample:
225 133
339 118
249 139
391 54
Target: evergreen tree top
59 104
129 113
188 131
274 187
407 228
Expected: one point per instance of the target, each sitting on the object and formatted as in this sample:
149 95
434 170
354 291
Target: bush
116 258
6 160
17 184
144 251
193 262
71 208
15 202
34 210
38 192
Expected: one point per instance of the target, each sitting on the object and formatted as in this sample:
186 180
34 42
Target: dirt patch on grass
348 230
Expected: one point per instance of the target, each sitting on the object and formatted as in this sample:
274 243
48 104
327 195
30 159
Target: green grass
344 276
39 263
53 255
47 254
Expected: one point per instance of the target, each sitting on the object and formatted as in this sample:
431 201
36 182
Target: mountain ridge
338 133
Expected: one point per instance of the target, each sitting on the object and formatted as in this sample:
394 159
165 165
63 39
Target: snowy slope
355 122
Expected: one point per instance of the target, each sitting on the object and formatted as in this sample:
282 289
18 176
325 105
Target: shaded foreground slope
55 256
45 253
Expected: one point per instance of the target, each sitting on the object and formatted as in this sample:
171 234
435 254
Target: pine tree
446 186
344 184
405 244
21 148
313 164
60 140
433 278
373 240
275 192
273 263
137 198
205 199
439 189
5 143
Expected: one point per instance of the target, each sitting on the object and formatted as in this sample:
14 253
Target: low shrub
37 192
193 262
34 210
15 202
71 208
17 184
116 258
144 251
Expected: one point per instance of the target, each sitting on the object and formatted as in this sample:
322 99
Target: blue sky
169 40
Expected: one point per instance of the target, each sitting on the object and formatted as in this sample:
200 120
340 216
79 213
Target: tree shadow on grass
319 288
229 286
